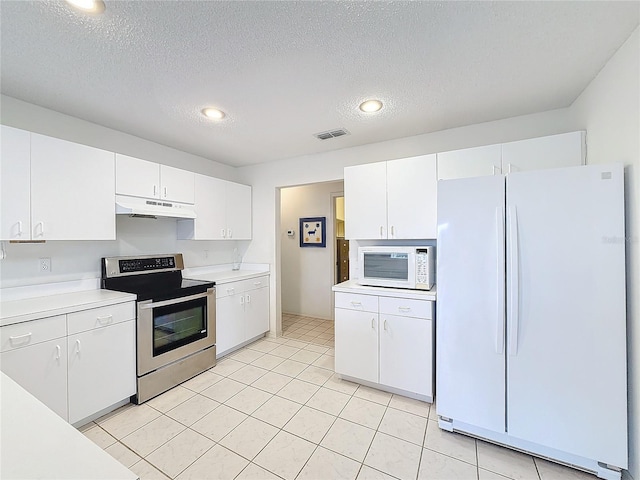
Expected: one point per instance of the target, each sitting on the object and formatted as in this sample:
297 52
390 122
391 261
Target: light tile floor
275 410
308 329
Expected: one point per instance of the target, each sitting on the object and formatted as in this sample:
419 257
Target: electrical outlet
45 264
206 254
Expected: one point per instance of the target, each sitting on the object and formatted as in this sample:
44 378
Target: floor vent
331 134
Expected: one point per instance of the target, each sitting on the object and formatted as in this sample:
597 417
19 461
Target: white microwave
398 267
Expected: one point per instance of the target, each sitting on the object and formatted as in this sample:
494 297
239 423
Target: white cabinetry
15 184
55 190
242 312
72 191
140 178
223 211
553 151
102 361
385 341
34 354
77 364
391 200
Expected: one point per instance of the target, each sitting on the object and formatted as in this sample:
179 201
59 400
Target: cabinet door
138 178
230 331
365 201
256 310
177 185
564 150
238 211
41 370
470 162
210 221
356 344
406 353
102 369
411 197
72 191
15 184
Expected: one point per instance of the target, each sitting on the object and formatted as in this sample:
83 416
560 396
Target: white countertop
224 274
27 309
352 286
37 443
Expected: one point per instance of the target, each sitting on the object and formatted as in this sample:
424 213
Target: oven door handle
173 301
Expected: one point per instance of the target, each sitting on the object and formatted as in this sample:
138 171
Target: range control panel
146 264
121 266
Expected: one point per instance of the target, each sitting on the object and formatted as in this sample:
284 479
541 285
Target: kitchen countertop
352 286
224 274
37 443
27 309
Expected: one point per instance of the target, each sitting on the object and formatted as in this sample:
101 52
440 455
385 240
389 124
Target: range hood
152 208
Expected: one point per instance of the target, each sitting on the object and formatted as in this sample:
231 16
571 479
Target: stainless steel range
176 322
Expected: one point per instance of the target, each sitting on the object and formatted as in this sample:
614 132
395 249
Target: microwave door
387 269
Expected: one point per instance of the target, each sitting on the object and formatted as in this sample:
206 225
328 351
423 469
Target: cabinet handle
223 233
230 291
404 309
26 337
380 231
229 233
41 225
155 190
248 298
393 231
356 304
385 325
78 346
257 284
105 319
373 323
19 227
165 192
494 169
242 300
508 168
58 355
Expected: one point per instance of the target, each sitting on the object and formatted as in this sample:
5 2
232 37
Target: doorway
341 245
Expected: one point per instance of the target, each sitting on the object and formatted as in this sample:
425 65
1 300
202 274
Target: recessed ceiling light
88 6
371 106
213 113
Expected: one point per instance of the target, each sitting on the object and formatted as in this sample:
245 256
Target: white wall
609 109
307 273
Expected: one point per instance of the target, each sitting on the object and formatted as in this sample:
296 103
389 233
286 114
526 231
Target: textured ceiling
286 70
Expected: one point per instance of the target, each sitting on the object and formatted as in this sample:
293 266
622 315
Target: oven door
170 330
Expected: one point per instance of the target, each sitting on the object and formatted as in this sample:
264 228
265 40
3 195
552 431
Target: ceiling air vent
331 134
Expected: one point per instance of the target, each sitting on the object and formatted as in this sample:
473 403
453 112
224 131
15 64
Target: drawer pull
404 309
58 353
356 304
257 284
105 320
385 325
20 339
78 346
373 323
231 291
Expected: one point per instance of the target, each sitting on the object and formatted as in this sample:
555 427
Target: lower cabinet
242 312
386 341
76 364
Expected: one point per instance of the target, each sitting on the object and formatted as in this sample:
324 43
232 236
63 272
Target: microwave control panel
423 264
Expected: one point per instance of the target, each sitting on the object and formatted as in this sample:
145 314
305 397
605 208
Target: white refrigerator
531 326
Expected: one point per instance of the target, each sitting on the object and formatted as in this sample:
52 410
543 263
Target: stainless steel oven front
176 339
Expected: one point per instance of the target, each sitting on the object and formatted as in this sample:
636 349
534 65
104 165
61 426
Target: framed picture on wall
313 232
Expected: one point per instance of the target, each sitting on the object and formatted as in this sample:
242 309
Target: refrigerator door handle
499 281
514 279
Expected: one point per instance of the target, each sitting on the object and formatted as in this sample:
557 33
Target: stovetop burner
157 277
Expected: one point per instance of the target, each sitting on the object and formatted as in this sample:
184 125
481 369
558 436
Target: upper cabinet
554 151
72 191
140 178
55 190
15 184
391 200
223 211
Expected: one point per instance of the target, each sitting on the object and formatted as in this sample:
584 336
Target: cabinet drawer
100 317
405 307
228 289
29 333
354 301
255 283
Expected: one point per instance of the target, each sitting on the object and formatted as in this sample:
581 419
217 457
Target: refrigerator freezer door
566 370
470 364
